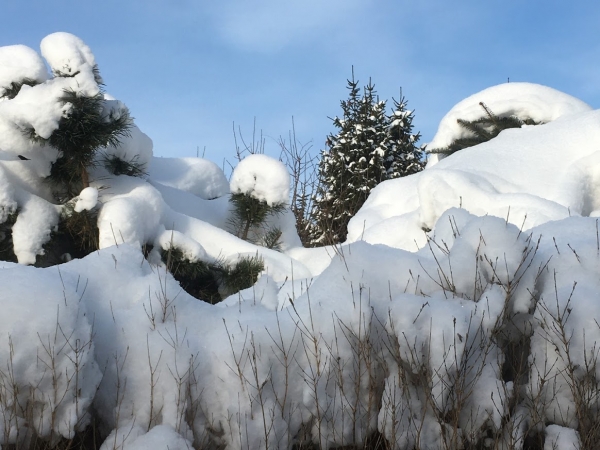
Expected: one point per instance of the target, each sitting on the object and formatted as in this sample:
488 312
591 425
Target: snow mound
46 355
197 176
524 100
528 176
18 63
263 178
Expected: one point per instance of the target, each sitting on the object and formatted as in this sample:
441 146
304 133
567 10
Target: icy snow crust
442 271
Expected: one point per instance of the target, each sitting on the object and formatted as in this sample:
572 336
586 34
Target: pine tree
90 125
248 220
87 128
368 148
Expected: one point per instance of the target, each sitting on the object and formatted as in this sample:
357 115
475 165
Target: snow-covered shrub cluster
462 312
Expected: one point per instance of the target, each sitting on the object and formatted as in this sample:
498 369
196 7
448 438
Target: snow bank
327 361
48 372
506 177
524 100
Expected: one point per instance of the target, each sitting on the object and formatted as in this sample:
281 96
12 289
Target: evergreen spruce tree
368 148
404 157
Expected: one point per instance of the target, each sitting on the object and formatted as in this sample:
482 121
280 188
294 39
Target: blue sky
189 69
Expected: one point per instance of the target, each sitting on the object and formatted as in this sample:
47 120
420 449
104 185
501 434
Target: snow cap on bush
263 178
18 63
68 56
66 53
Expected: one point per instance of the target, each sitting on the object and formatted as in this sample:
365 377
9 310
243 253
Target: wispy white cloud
271 25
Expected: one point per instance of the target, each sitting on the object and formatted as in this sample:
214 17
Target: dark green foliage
76 236
11 91
242 275
118 166
483 129
80 134
248 220
211 282
195 277
86 128
404 156
369 147
6 243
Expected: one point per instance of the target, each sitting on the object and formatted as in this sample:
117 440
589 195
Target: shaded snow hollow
331 343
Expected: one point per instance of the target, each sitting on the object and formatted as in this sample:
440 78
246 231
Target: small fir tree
368 148
259 193
404 157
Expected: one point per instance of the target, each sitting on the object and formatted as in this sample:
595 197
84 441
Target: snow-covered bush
260 188
206 279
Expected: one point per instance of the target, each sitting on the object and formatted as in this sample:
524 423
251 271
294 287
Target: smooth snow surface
197 176
445 273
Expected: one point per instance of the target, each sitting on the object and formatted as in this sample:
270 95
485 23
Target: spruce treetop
369 147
